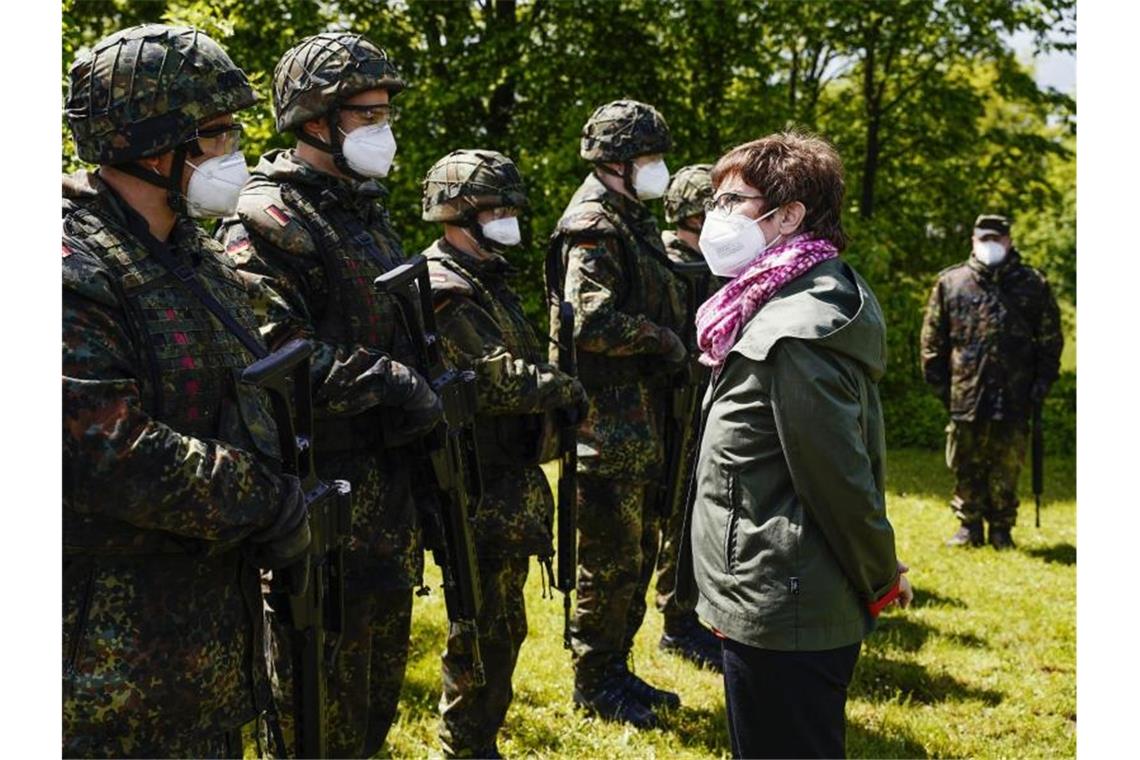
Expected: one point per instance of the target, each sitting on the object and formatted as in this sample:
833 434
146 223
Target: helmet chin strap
474 230
626 176
175 198
334 146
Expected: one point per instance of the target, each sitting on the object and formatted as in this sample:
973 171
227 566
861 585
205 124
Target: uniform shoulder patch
444 281
263 212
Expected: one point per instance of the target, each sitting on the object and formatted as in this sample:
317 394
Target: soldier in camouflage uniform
310 237
991 348
689 190
477 195
629 314
172 494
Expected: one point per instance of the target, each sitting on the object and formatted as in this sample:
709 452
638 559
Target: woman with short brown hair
792 553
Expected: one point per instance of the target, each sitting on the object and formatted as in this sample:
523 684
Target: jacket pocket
732 486
86 587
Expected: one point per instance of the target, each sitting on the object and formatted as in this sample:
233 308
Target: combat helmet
623 130
318 74
464 182
690 187
143 91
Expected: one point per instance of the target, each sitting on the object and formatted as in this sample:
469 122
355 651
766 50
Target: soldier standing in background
611 266
685 200
477 195
171 496
991 348
311 236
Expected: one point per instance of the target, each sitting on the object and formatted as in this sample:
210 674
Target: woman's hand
906 593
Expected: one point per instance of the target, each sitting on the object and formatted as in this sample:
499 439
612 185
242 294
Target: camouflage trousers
675 617
364 687
618 532
986 457
470 715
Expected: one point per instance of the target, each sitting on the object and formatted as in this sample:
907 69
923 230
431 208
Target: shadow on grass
879 679
1058 554
927 598
699 728
864 743
910 635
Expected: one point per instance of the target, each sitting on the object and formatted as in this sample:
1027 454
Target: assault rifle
308 596
568 422
682 406
452 451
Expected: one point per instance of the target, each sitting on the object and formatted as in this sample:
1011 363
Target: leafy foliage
935 117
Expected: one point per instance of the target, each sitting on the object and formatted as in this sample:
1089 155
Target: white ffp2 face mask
215 185
989 252
651 180
503 231
369 150
730 242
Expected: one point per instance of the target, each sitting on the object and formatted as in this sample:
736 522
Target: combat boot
692 641
650 696
1000 538
613 700
970 534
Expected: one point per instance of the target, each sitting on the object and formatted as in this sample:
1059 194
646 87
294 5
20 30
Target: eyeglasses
727 202
220 140
376 115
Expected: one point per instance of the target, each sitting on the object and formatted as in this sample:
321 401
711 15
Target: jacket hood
830 303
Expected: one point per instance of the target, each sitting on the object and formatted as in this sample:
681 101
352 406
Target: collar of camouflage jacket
283 165
1011 261
493 267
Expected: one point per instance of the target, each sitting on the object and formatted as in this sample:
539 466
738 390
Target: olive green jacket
790 541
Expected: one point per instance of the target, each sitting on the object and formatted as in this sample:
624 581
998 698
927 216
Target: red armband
877 606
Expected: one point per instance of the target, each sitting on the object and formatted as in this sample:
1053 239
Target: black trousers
787 704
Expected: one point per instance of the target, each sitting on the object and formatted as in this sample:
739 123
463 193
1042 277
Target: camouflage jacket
310 245
625 299
483 329
680 252
988 336
168 463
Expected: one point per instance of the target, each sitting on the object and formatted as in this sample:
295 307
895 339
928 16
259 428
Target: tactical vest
650 291
352 256
507 440
193 365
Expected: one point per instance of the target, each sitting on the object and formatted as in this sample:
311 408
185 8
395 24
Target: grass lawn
983 664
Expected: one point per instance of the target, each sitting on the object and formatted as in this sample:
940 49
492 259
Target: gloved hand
416 417
578 408
673 347
1038 391
286 540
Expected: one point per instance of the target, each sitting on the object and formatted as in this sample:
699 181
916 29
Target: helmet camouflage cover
465 181
623 130
144 90
322 71
690 187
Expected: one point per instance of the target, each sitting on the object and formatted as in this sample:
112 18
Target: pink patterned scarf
720 318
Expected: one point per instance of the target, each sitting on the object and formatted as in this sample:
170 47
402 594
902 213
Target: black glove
286 540
416 417
1038 391
675 351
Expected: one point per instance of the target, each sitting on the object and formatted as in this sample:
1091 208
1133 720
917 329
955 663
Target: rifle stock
309 595
450 448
